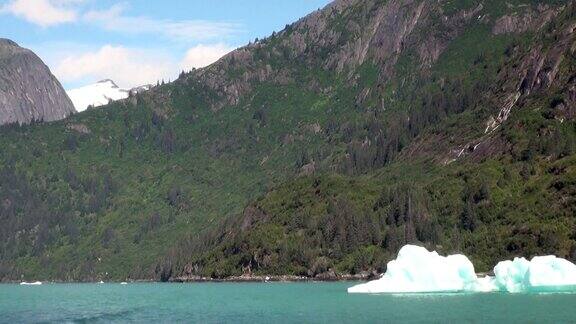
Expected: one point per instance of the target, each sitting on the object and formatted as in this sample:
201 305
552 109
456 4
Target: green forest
316 165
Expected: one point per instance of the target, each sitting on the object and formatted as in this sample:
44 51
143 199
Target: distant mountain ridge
28 90
101 93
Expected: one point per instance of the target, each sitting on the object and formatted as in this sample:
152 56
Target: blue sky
136 42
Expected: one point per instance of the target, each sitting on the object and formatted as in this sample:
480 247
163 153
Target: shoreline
233 279
364 277
276 278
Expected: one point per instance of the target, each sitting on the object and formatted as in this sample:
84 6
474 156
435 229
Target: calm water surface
269 303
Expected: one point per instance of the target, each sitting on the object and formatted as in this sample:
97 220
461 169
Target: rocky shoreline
280 278
327 277
246 278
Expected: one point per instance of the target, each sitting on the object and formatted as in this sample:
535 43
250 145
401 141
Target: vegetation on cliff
317 151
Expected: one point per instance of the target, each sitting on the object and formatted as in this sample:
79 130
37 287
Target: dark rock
252 215
80 128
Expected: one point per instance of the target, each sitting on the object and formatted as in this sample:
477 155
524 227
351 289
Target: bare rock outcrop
538 71
529 20
341 37
28 90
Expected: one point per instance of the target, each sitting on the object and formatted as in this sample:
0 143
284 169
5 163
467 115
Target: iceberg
416 270
543 273
36 283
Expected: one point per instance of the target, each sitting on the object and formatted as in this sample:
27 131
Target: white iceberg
483 284
36 283
416 270
545 273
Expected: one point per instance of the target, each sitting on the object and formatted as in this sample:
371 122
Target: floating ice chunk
545 273
416 270
509 275
483 285
36 283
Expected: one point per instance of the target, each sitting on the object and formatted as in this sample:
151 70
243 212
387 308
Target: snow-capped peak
100 94
111 83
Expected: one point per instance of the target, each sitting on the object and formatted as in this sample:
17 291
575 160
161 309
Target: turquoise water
268 303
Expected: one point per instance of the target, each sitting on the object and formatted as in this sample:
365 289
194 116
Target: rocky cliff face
28 90
341 37
348 34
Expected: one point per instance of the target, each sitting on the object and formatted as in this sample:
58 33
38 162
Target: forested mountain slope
317 151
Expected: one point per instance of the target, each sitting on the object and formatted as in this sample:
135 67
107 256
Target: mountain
100 94
28 90
316 152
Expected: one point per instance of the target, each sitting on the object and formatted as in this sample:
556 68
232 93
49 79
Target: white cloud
204 55
115 20
129 67
48 13
44 13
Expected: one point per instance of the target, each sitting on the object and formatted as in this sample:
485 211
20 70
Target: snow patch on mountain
100 94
